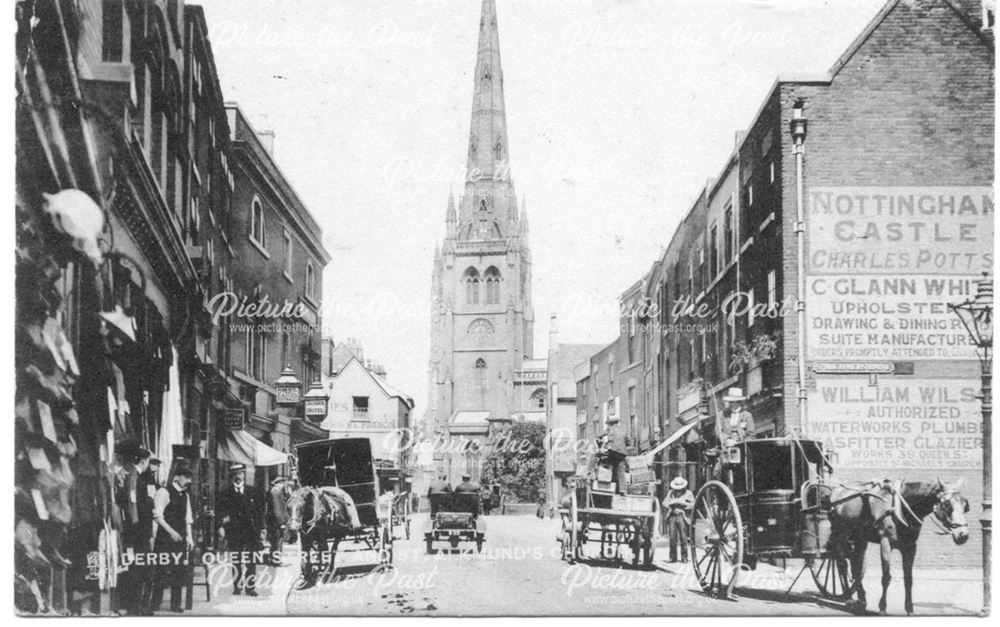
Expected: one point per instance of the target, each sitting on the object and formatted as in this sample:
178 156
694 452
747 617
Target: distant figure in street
467 485
172 522
277 517
241 511
679 502
487 500
438 487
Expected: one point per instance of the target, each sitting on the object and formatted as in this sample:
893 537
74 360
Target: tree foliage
517 462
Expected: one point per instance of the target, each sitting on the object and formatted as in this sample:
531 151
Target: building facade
278 245
363 403
897 222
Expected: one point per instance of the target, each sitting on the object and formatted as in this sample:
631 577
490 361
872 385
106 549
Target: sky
618 112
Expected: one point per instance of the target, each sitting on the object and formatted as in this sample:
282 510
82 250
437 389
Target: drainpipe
797 126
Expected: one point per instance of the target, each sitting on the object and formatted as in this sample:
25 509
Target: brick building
278 254
898 206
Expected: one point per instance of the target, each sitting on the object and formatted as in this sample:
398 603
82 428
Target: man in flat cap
241 512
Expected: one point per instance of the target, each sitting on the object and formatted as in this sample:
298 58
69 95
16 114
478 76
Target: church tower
482 323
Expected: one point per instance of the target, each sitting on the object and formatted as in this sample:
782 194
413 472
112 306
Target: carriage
770 500
399 483
455 517
347 464
593 514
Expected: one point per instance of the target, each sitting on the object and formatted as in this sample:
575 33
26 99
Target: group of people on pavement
159 519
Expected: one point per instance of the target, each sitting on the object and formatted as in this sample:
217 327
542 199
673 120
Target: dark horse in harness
918 500
320 516
858 515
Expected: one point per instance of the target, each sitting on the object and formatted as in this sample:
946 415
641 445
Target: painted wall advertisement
885 262
901 423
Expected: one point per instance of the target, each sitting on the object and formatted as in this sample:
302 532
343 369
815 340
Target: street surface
519 573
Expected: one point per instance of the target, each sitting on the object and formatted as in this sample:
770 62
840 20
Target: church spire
488 150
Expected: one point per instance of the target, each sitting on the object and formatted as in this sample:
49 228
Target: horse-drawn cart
340 502
770 499
594 515
399 483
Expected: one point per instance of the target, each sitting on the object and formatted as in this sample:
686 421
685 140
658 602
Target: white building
363 404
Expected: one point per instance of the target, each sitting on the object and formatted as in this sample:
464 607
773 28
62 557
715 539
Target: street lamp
976 315
315 402
287 387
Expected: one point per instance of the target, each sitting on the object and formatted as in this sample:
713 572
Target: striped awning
242 448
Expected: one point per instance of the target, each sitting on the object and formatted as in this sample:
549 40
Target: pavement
519 573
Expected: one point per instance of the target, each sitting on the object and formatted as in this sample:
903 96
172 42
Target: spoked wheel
833 577
385 546
716 539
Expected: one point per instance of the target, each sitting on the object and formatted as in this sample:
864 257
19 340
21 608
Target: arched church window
492 279
486 73
537 399
498 151
471 280
483 209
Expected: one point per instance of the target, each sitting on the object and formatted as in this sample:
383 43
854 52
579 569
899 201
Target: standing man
137 518
679 502
615 449
241 511
439 486
277 517
172 522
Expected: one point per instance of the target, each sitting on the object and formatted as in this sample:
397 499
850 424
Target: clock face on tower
481 331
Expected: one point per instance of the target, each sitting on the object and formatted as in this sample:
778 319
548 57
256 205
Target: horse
858 515
920 499
319 515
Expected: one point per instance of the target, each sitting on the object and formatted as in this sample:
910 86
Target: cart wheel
716 539
637 544
386 547
833 577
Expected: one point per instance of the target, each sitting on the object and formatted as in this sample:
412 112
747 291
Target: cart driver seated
735 425
614 446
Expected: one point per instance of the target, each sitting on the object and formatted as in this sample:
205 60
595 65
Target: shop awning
675 436
242 448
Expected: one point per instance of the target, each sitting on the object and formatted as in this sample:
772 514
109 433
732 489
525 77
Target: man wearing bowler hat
241 511
679 502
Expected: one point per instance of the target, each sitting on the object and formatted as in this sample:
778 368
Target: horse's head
297 504
950 510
